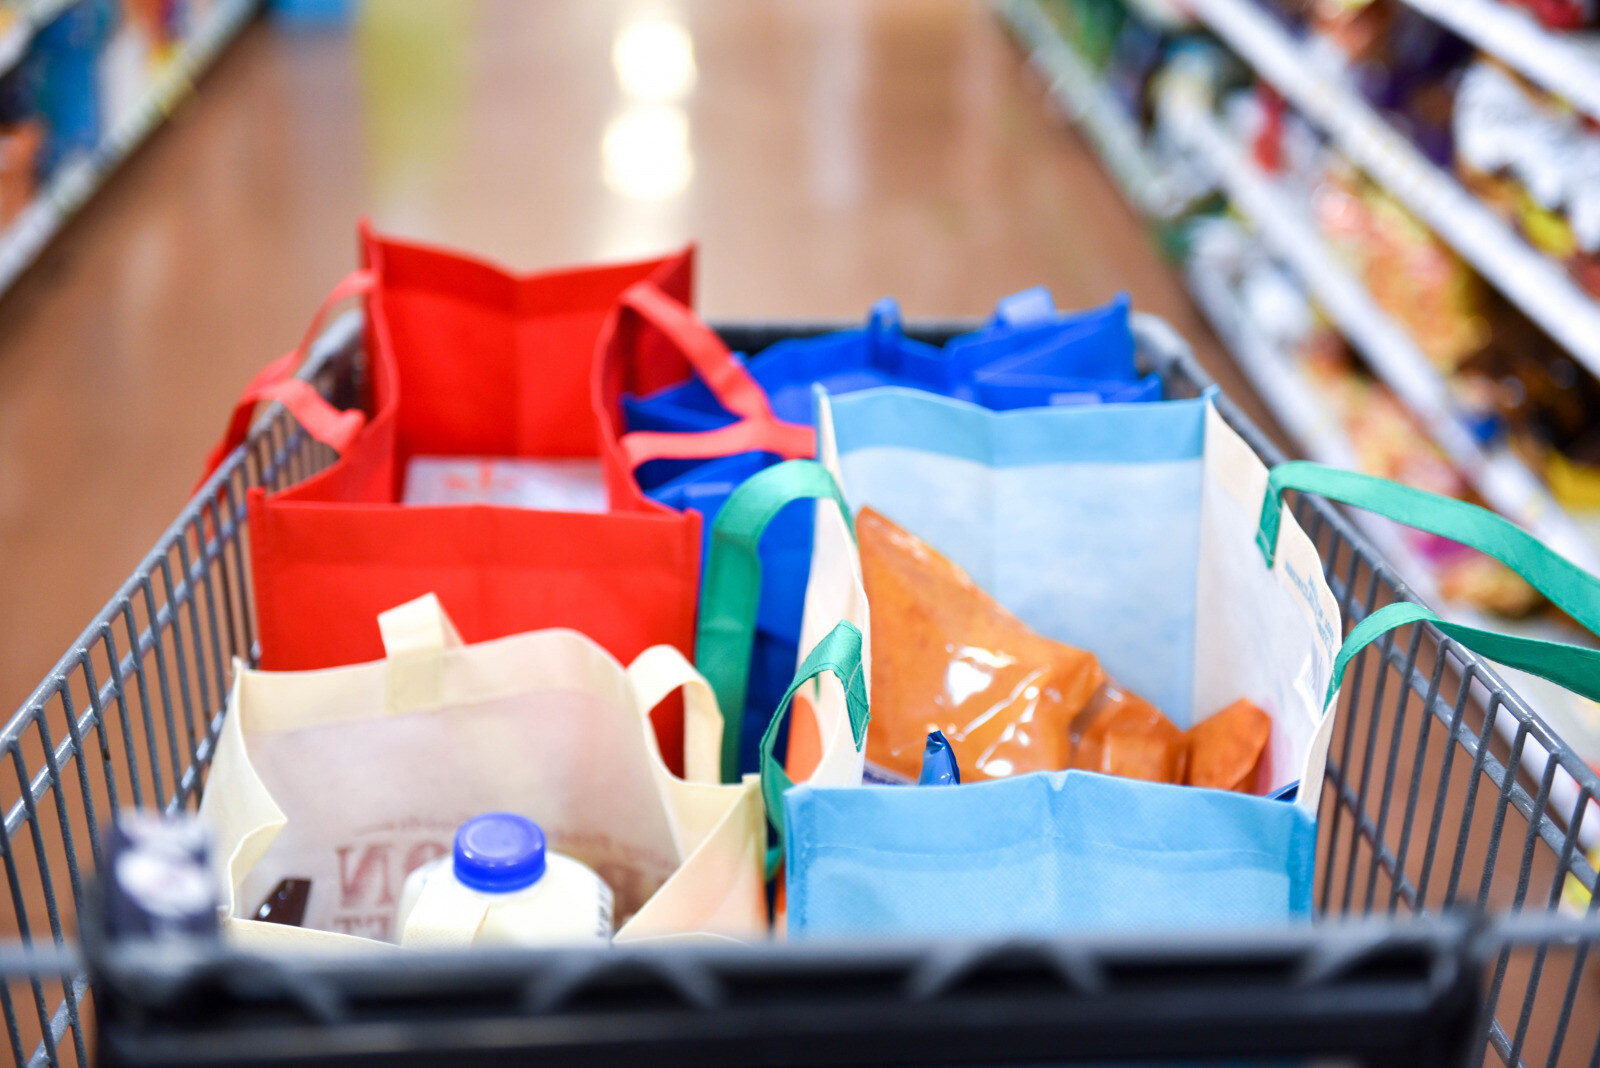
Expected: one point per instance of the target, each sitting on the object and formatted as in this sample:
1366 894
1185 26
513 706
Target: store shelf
1286 231
1091 107
1530 280
30 18
1567 64
76 182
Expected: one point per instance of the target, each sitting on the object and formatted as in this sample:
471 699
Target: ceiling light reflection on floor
654 59
645 154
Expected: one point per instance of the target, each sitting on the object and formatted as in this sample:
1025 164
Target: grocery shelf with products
82 84
1393 319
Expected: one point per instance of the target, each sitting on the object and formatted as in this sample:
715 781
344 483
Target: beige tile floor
824 152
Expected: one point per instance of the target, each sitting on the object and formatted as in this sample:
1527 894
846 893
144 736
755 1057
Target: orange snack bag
946 656
1123 734
1225 750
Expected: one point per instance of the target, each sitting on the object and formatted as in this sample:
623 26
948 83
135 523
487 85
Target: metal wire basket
1443 790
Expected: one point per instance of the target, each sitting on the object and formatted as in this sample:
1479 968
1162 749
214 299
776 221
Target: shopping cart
1444 793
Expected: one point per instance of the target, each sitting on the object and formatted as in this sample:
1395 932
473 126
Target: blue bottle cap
499 852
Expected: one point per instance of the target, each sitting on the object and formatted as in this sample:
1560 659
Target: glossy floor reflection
824 153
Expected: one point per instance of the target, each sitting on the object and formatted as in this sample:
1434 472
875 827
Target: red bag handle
333 427
727 379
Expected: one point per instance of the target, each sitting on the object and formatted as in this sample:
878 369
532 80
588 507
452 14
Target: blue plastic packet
939 766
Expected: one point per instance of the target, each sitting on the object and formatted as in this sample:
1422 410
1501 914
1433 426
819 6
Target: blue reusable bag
1129 531
1040 854
1028 354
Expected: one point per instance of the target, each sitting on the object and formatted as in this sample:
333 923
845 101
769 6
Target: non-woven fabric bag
1129 531
1028 355
351 777
466 359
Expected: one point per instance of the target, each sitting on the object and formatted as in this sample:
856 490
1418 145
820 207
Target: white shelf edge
1548 58
1308 420
1507 484
1525 276
26 237
1090 106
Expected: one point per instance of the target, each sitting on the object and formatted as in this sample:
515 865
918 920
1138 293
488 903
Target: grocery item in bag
939 767
1224 751
948 657
1123 734
286 904
1007 700
561 484
501 886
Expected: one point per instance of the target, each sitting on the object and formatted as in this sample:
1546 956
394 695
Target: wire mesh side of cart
1433 797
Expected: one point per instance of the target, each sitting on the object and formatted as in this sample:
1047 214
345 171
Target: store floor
825 154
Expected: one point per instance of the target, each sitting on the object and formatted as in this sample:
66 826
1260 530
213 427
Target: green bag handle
840 653
731 589
1568 586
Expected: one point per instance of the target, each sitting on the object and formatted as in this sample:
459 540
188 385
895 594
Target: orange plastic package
946 656
1123 734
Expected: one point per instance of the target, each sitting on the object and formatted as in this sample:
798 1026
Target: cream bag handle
415 637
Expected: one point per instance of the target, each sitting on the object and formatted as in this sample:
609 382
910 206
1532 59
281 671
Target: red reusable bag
468 360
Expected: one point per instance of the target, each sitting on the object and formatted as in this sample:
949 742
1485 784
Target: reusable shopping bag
351 777
1129 531
1028 355
467 360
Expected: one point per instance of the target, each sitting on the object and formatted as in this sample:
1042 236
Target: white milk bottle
501 887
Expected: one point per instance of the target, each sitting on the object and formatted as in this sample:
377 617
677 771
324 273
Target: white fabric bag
352 777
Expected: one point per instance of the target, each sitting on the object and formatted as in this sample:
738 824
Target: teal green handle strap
1567 585
840 653
731 588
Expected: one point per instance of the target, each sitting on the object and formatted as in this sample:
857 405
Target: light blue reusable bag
1127 530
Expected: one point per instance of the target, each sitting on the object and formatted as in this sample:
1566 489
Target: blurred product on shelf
1090 26
1401 63
21 138
67 50
1562 14
1547 405
1413 275
1535 162
82 83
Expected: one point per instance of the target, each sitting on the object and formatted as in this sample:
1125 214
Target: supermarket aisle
823 153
